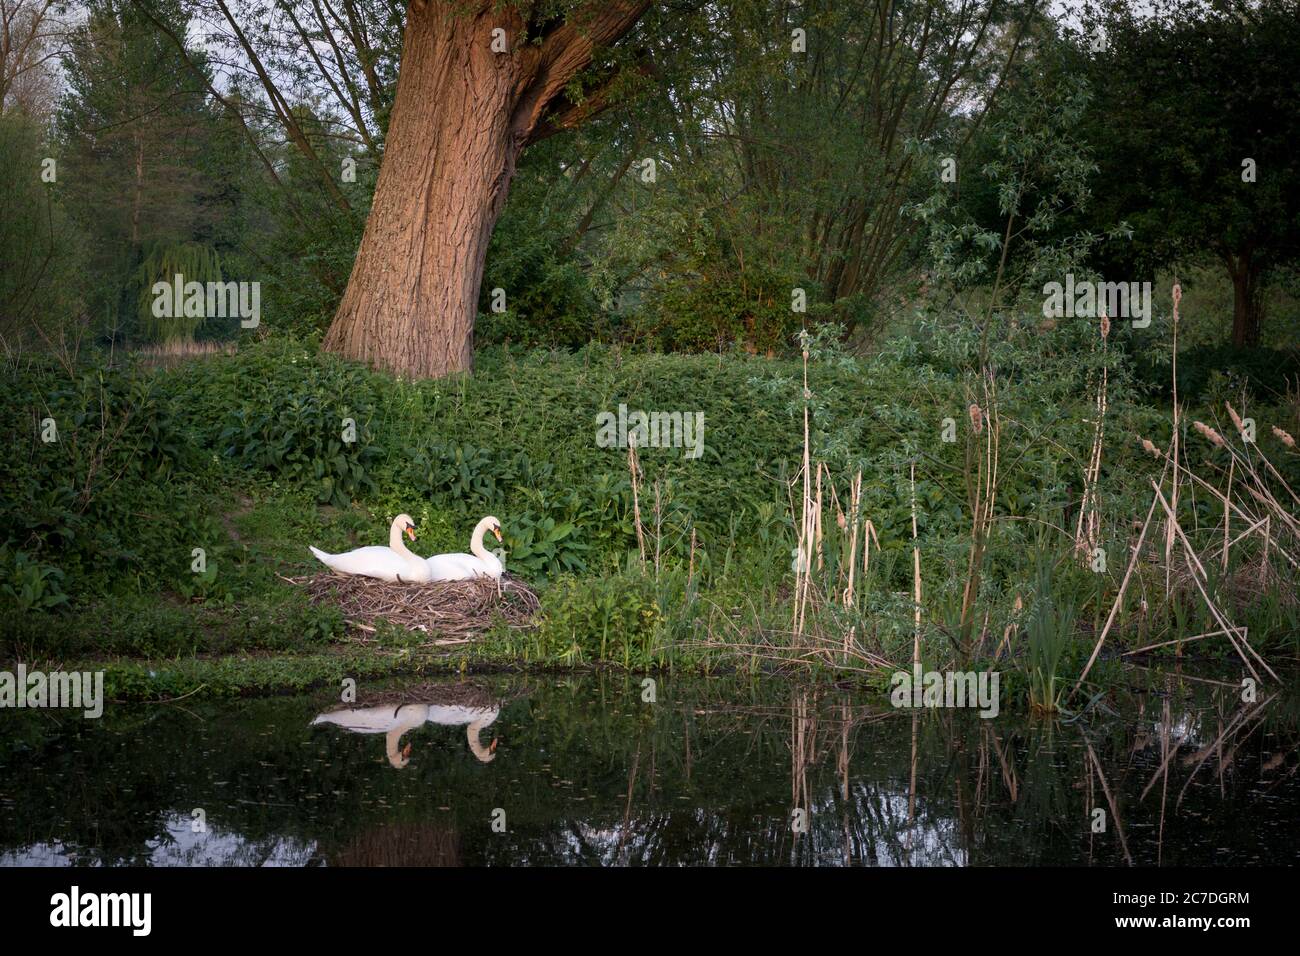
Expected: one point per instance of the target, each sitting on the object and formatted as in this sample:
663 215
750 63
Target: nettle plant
471 477
602 619
28 585
309 441
541 546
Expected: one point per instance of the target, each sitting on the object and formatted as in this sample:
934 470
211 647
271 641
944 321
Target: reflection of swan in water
394 720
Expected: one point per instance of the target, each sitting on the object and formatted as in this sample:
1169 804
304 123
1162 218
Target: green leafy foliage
288 413
27 585
539 547
107 498
302 442
603 619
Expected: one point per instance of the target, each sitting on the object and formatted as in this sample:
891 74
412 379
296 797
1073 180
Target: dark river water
586 770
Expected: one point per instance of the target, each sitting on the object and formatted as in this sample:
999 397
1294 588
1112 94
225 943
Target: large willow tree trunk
462 115
1247 300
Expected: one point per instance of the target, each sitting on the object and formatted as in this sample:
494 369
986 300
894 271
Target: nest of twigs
456 610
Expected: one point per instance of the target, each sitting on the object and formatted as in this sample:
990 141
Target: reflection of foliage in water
588 772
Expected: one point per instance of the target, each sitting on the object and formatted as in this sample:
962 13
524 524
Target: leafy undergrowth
151 536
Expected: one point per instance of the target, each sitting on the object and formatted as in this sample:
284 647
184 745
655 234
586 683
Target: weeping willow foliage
194 262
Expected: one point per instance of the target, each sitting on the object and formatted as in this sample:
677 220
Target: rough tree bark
461 117
1246 299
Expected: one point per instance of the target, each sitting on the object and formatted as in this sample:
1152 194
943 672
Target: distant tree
39 248
1195 119
133 125
787 140
31 40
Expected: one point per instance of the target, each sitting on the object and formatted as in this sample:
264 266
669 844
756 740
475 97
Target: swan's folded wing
374 561
452 567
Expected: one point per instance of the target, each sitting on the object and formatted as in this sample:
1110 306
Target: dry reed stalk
1119 598
1178 640
1088 528
1218 616
1261 491
817 517
817 648
1177 296
869 535
803 556
658 525
634 469
1228 503
690 573
984 633
850 595
1227 545
855 505
916 576
1264 458
982 499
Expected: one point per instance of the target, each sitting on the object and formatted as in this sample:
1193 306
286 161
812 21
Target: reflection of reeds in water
938 807
803 734
942 788
875 825
401 844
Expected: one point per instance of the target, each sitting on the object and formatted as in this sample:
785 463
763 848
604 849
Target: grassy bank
1023 512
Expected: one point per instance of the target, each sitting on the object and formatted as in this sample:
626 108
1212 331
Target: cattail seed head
976 418
1150 448
1209 433
1105 327
1236 419
1284 437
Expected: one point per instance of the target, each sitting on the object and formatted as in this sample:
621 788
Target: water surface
584 770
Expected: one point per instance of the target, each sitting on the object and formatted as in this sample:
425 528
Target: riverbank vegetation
240 456
905 456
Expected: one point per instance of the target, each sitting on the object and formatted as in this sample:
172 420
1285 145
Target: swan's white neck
476 542
484 754
395 540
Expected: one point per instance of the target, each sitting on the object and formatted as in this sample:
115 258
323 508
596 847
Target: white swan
462 567
393 563
395 721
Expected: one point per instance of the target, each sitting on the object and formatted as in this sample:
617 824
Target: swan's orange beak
497 532
492 747
406 751
410 532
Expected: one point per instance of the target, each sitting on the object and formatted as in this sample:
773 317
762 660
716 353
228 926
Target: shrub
100 502
601 619
287 411
27 585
